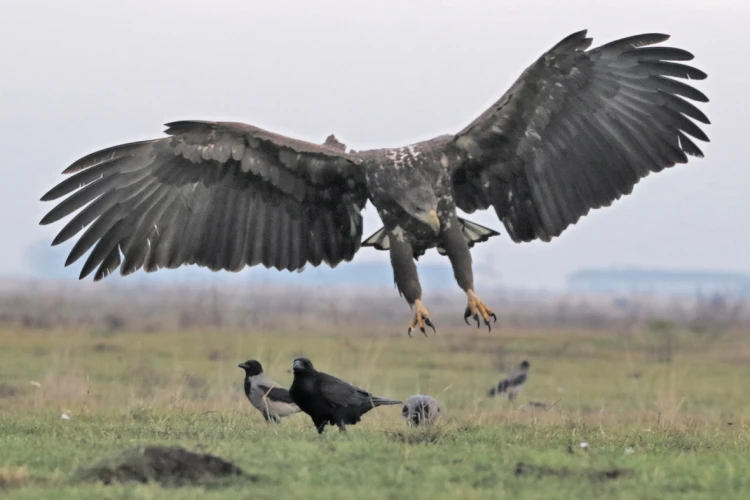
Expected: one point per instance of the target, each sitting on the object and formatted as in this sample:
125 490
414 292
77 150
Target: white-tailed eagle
576 131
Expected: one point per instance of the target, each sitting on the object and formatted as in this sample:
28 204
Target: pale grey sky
81 75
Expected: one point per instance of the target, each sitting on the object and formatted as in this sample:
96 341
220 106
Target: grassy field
665 414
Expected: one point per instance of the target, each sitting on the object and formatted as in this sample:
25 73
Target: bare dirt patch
524 469
13 477
166 465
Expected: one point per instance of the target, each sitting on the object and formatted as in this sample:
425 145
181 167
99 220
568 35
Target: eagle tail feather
473 232
379 240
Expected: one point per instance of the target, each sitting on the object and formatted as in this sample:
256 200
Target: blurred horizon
45 262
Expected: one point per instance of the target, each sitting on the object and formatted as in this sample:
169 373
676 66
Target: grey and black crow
329 400
421 409
576 131
271 400
513 383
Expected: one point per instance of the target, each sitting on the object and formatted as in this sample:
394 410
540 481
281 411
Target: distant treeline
660 282
157 307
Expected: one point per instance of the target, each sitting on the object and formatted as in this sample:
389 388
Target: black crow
513 384
420 409
272 400
329 400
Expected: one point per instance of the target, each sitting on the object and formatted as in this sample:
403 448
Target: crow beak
431 219
241 365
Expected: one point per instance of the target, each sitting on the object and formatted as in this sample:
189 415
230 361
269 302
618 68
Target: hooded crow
513 384
420 409
329 400
272 400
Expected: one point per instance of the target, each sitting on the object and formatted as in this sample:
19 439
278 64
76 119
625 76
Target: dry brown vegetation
111 308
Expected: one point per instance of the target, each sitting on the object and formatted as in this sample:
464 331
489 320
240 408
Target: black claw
429 323
494 316
489 325
476 317
467 315
408 332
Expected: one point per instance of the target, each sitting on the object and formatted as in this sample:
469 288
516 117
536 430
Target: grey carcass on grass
421 410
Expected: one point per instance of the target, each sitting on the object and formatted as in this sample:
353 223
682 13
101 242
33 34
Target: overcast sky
82 75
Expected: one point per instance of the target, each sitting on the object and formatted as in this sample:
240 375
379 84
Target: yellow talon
476 308
421 318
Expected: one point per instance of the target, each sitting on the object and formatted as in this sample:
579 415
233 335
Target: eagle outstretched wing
576 131
216 194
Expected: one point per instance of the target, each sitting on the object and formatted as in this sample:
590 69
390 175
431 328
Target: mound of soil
523 469
167 465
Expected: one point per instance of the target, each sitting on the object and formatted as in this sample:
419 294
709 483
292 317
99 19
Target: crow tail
384 402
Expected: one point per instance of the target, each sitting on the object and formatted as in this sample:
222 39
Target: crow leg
320 425
407 281
457 249
271 418
342 427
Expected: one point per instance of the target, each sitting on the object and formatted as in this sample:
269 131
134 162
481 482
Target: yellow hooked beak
431 219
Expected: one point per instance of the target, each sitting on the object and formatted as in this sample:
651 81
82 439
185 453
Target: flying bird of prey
577 130
513 383
329 400
421 409
268 397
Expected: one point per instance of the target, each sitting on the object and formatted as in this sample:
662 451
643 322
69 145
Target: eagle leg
457 249
407 281
421 318
477 308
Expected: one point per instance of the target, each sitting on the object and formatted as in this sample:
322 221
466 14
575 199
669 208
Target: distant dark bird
329 400
576 131
513 384
268 397
420 409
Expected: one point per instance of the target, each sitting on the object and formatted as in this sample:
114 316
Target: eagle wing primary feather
217 194
576 131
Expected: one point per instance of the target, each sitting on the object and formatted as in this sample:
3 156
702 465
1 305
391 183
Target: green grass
613 391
